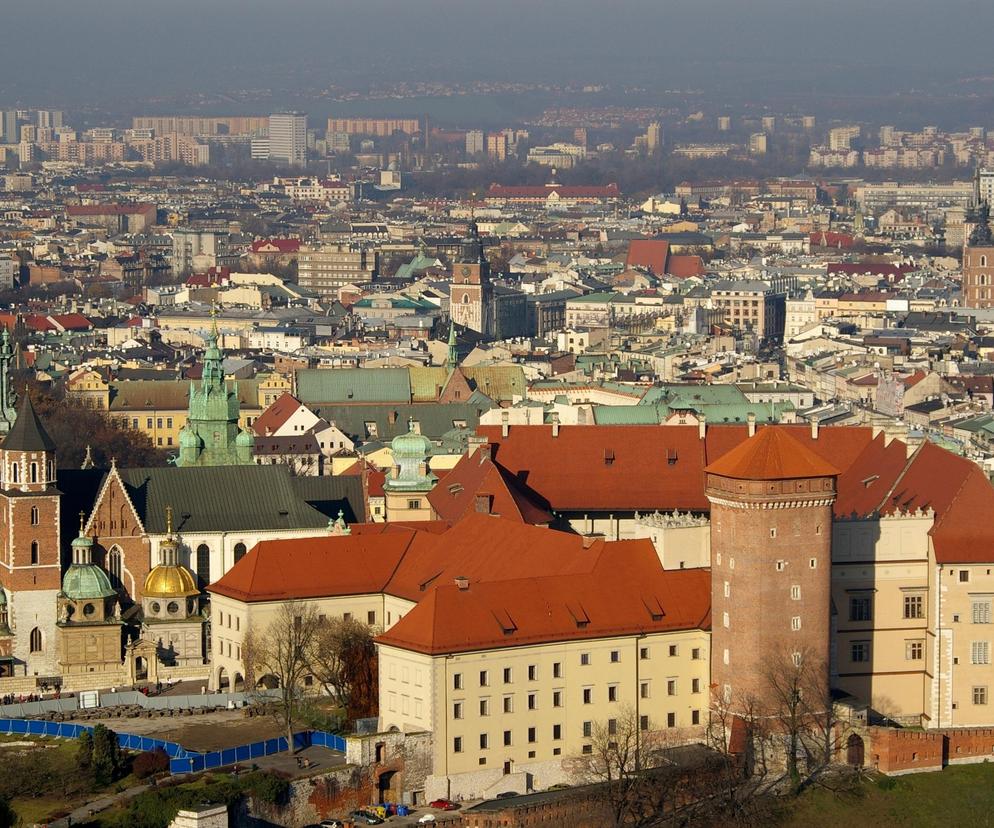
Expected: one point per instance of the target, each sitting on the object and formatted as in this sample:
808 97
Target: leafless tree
282 651
343 659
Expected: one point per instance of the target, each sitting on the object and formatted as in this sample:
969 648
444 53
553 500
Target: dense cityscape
486 450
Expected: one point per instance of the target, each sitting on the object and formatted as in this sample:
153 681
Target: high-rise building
724 123
654 137
580 136
808 122
757 143
474 142
8 126
288 138
769 123
326 269
48 118
984 187
497 146
841 138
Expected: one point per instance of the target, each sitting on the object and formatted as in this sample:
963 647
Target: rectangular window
695 717
484 741
588 729
860 608
588 694
484 678
507 738
981 612
980 695
695 685
371 617
612 693
644 690
557 732
484 707
508 704
671 687
859 651
615 656
643 722
795 623
507 675
964 576
584 659
914 606
457 744
980 652
531 734
531 701
795 592
532 672
413 504
914 650
671 719
674 650
457 681
457 710
557 670
695 654
557 698
612 727
644 653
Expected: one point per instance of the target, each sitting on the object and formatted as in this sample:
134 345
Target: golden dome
170 582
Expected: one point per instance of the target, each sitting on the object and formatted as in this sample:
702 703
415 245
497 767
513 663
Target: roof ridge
897 480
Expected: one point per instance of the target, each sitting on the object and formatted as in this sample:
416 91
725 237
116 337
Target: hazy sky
67 52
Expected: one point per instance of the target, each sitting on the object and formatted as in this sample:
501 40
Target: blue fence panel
243 753
273 746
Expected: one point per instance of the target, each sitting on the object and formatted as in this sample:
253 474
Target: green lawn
961 795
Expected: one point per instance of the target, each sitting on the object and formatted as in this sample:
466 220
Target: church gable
114 512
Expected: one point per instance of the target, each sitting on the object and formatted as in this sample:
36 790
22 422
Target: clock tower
471 293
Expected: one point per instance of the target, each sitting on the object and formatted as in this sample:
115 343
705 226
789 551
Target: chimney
588 541
462 582
505 423
484 452
482 504
814 429
752 424
555 423
702 426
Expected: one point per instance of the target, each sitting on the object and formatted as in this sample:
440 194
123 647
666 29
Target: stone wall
330 795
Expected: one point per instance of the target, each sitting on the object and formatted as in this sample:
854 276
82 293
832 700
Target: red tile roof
771 454
274 417
475 476
684 266
275 246
650 253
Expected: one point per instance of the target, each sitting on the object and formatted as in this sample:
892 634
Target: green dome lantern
410 462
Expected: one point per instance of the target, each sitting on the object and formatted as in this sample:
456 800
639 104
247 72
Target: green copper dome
245 439
86 581
410 444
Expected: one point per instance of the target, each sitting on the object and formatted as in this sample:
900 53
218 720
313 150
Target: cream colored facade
881 592
499 715
231 621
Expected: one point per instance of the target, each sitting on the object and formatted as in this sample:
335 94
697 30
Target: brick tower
30 559
471 292
771 528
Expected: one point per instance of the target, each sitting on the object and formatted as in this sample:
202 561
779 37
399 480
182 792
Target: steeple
452 359
7 396
28 433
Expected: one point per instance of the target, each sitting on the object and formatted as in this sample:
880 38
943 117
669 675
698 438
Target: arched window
983 261
36 641
204 564
35 553
239 551
34 516
115 565
34 472
465 298
14 473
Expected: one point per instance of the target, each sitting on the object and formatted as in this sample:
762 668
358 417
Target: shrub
270 788
149 763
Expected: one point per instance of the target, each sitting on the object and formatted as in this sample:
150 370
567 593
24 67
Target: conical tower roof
773 453
28 433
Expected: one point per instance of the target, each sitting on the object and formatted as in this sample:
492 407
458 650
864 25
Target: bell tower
470 295
30 544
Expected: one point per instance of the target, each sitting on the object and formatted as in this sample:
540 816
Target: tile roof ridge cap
897 480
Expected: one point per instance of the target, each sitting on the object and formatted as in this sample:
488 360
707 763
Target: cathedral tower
771 528
470 296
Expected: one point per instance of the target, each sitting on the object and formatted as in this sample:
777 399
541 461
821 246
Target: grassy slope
959 796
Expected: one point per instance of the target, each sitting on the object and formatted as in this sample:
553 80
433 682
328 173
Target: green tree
84 753
108 761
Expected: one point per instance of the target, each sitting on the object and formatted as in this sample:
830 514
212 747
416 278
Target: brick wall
965 745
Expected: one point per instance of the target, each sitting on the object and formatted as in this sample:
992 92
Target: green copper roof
86 581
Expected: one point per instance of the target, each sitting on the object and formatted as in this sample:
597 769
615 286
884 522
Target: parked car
427 819
444 805
366 818
508 794
332 823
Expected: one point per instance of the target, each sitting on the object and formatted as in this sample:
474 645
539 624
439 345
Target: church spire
452 359
7 396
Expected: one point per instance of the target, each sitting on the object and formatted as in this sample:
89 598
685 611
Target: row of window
557 733
861 608
557 666
32 475
458 707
